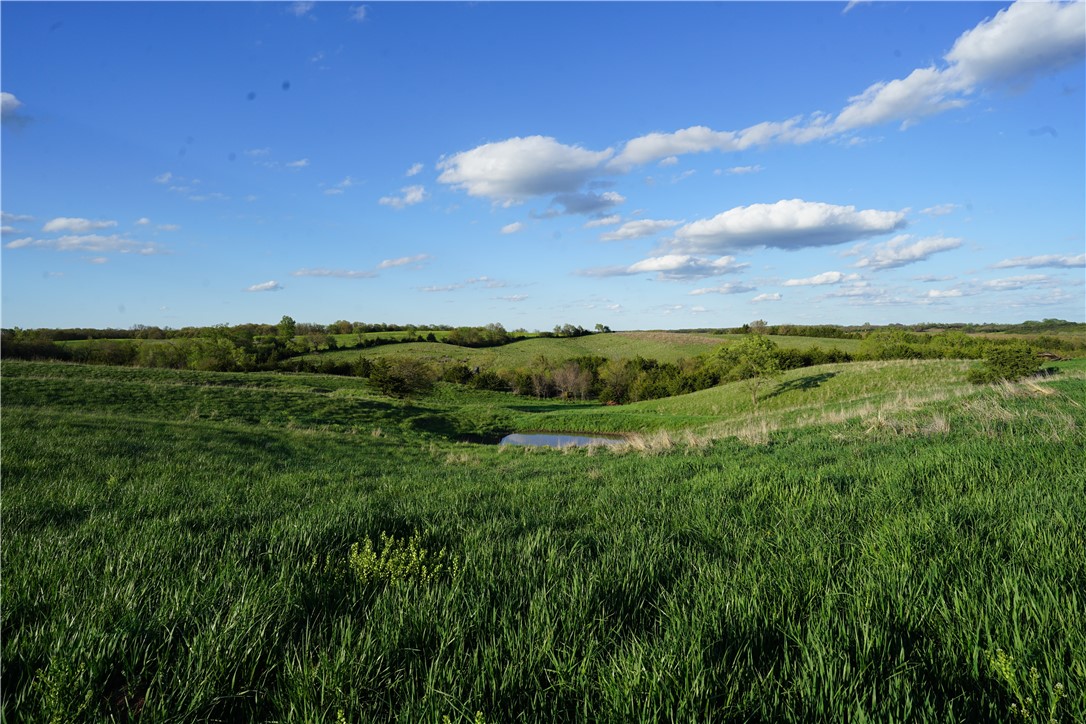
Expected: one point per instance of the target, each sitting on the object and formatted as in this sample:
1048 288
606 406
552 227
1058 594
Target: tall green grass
184 553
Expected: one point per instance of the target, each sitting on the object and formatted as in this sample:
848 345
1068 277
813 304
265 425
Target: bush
1011 363
402 376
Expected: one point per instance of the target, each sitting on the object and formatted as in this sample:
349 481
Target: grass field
180 546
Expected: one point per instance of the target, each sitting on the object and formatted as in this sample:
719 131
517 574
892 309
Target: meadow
875 541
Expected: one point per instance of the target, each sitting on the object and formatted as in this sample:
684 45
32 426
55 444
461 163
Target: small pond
552 439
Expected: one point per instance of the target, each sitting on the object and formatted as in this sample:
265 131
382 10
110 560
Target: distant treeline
835 331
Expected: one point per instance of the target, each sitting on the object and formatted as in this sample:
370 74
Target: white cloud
1021 42
742 170
639 229
793 224
728 288
940 209
669 161
830 277
414 170
901 250
300 163
76 225
168 227
1007 284
403 261
409 196
513 298
358 13
944 293
163 178
442 288
5 230
1045 260
97 260
654 146
299 9
144 221
89 242
605 221
269 286
1024 40
338 188
519 168
513 228
337 273
214 196
9 105
15 217
258 152
672 267
774 297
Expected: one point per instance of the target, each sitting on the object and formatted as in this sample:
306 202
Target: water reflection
547 439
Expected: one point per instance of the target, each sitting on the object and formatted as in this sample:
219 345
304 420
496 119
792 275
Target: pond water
551 439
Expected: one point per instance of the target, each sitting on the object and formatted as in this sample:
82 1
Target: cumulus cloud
639 229
1019 43
89 242
793 224
604 221
163 178
588 202
9 105
168 227
830 277
299 9
143 221
513 298
409 196
1045 260
335 273
7 216
358 13
268 286
672 267
773 297
76 225
5 230
519 168
944 293
300 163
657 146
728 288
414 170
743 170
403 261
513 228
902 250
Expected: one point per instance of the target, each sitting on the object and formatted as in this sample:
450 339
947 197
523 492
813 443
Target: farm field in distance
871 540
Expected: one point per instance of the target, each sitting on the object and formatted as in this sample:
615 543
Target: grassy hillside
181 546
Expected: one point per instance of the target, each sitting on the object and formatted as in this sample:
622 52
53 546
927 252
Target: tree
755 360
286 329
758 326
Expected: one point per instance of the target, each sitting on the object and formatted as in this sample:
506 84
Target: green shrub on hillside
1005 363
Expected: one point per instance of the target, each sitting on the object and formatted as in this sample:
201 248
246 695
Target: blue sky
639 165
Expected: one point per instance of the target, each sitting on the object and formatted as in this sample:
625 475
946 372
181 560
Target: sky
639 165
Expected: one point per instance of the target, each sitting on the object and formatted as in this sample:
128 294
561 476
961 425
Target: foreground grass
178 546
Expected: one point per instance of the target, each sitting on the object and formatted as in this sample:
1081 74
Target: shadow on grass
554 407
809 382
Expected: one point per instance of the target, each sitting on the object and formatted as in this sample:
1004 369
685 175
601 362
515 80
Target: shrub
1011 362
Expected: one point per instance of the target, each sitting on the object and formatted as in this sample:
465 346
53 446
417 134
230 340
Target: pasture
198 546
